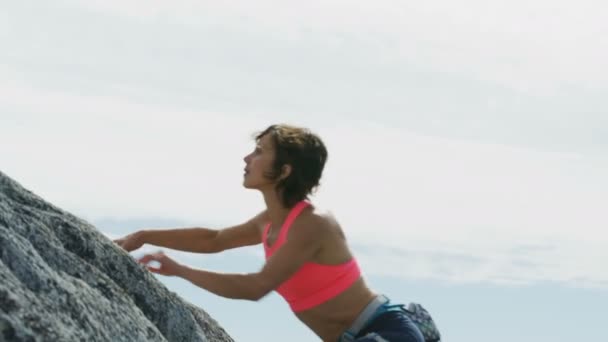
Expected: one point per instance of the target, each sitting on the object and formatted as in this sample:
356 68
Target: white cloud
415 66
435 182
535 46
467 212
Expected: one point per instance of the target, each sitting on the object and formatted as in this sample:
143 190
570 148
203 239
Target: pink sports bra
313 283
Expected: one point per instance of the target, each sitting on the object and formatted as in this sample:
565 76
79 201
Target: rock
62 280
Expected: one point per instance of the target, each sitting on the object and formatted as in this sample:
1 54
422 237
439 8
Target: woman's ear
285 171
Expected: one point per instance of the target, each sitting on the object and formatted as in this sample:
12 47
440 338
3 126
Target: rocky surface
62 280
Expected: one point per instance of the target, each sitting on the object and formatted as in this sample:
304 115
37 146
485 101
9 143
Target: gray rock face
62 280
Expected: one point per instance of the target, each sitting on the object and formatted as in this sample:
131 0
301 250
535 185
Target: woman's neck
275 209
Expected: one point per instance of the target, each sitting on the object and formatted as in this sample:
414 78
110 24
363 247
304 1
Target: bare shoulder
323 227
318 221
260 220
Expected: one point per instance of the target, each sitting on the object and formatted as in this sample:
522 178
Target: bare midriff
329 320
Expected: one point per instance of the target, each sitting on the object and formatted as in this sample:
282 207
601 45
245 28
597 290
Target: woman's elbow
259 288
259 295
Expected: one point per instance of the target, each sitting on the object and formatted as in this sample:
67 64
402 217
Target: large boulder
62 280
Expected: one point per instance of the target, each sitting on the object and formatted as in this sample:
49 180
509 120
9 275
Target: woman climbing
308 261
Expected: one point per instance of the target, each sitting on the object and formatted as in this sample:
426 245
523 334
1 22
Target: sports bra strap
295 211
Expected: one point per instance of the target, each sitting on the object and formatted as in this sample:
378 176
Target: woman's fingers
154 269
148 258
159 256
166 266
129 243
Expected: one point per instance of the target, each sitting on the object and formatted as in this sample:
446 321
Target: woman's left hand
168 266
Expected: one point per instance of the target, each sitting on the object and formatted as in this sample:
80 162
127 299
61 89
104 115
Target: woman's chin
246 185
255 184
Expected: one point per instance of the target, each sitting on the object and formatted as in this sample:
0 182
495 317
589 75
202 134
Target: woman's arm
236 286
197 240
305 240
229 285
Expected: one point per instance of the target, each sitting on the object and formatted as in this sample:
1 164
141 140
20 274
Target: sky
467 141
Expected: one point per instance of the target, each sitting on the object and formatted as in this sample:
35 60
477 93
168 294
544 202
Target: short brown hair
305 152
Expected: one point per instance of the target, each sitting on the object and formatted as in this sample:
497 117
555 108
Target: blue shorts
390 326
383 322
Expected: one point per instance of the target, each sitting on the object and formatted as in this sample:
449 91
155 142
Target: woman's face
258 163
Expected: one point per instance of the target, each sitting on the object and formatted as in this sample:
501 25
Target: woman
308 261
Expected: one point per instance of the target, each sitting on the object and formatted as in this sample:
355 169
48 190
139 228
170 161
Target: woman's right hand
131 242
